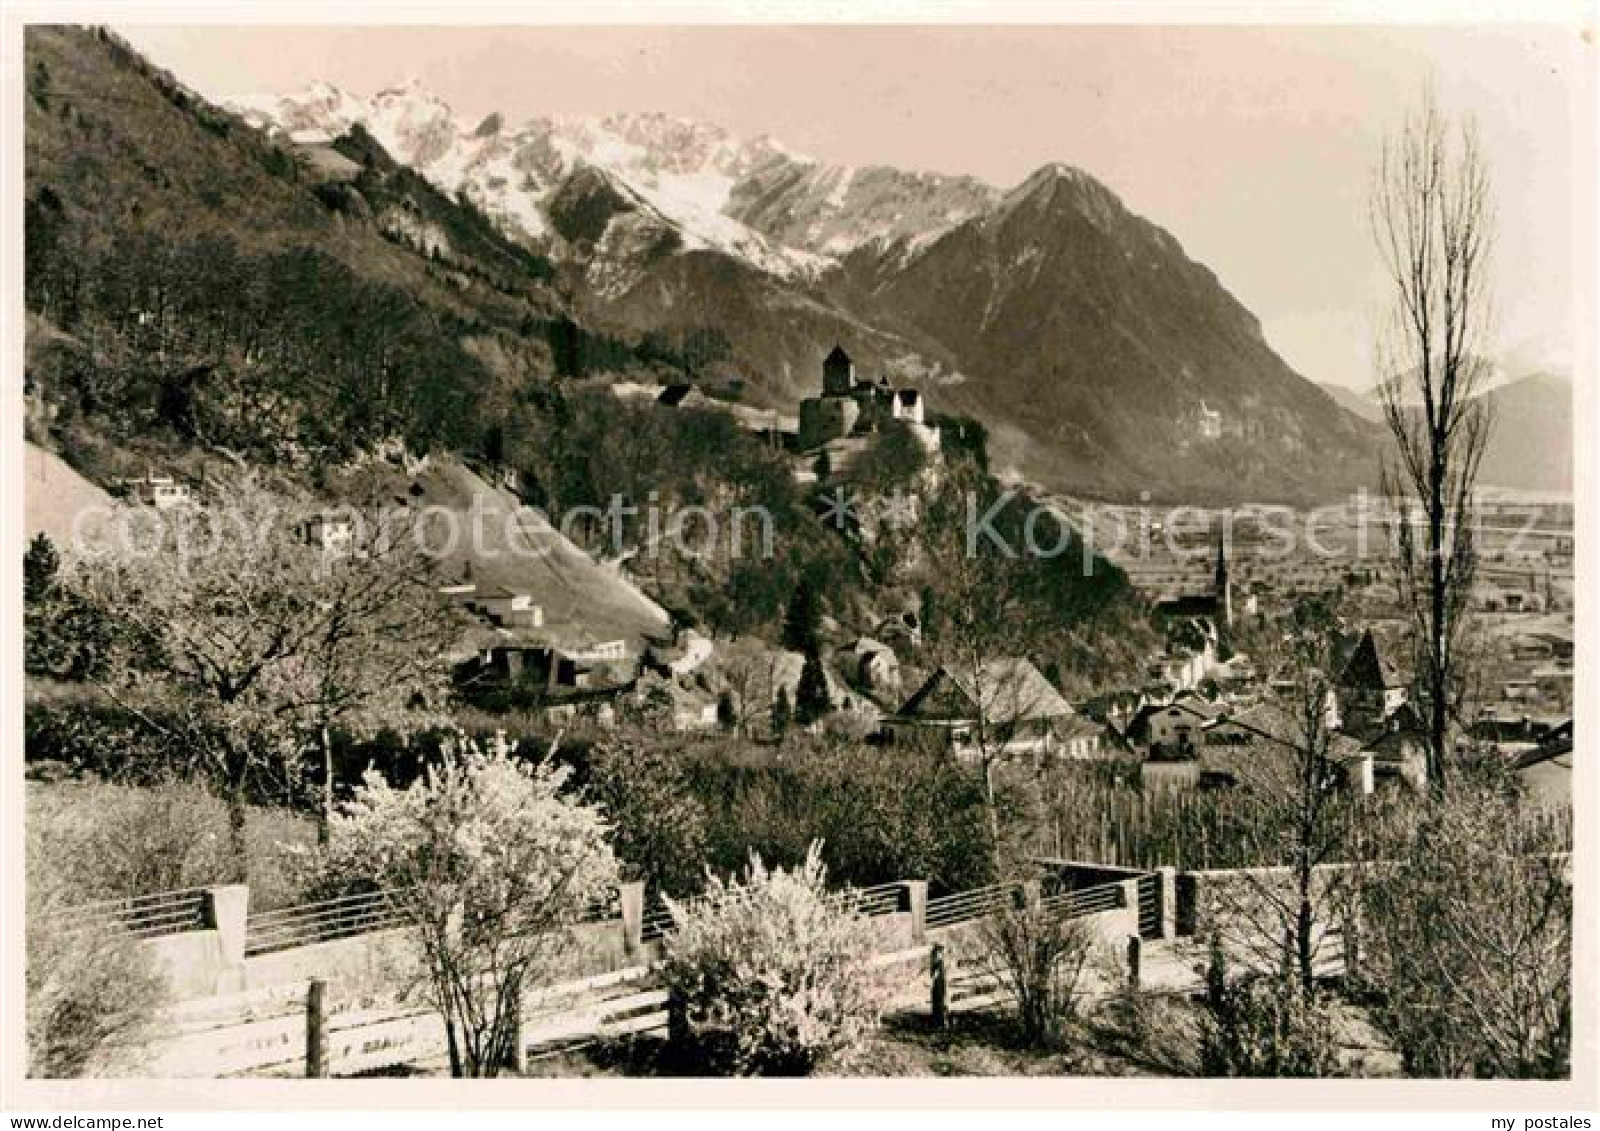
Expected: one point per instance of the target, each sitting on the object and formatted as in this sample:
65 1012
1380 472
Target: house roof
1189 605
1187 702
1556 754
674 395
1367 669
1273 724
1008 689
1078 727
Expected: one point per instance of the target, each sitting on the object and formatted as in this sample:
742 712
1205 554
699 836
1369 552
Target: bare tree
241 644
980 632
1295 784
375 657
1467 938
1432 218
1039 956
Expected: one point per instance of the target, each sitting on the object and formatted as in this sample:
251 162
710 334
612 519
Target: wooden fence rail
296 1029
144 916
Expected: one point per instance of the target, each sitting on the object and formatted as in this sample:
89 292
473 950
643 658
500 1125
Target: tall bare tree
981 632
1295 781
1432 217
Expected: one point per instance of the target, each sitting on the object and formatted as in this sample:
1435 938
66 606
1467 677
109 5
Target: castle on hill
853 406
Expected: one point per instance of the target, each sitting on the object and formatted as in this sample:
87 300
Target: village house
160 491
869 666
506 607
1369 688
542 677
1263 741
330 533
1214 606
1171 730
533 666
671 704
1545 772
1002 707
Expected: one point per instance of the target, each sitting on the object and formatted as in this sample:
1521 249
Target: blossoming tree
491 865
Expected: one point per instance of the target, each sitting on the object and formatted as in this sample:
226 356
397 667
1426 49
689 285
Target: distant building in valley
1215 606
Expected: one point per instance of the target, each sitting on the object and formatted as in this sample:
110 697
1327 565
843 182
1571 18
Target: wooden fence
143 916
297 1030
350 915
883 899
1088 819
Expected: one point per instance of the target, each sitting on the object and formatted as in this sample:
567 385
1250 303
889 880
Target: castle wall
826 418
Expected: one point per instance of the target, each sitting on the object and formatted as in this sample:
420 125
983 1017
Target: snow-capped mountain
780 211
1098 354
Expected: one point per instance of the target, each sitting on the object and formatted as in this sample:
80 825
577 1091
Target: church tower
1222 587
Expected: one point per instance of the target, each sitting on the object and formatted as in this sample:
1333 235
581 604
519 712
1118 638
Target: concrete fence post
1135 961
226 910
1030 895
1167 879
1130 904
317 1029
914 900
631 897
940 1006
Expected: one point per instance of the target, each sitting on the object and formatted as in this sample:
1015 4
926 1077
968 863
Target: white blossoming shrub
768 975
491 864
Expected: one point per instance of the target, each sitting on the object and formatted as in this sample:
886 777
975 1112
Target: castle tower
1222 587
838 374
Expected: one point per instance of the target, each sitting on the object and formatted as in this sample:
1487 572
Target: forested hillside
222 291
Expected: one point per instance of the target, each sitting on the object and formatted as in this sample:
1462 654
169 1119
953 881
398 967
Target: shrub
1263 1026
1467 940
1039 957
490 863
91 994
92 1000
768 976
658 825
108 841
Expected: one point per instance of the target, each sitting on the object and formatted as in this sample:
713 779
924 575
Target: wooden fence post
517 1054
316 1029
1135 961
941 986
1352 946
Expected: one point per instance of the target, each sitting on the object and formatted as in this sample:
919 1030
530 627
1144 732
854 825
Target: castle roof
837 355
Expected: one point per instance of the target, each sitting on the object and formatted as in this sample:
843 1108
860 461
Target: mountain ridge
1094 347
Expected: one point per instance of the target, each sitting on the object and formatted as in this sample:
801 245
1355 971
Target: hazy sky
1253 146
